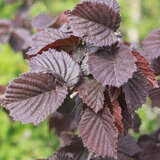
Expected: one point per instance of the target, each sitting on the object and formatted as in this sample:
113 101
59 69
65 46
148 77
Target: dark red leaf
128 146
117 113
154 94
144 66
61 19
20 39
122 156
113 104
136 123
110 3
112 69
66 118
99 133
52 38
155 65
75 150
145 140
91 93
136 90
57 62
126 115
151 152
151 45
42 21
33 96
100 17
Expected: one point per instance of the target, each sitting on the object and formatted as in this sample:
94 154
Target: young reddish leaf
114 106
112 69
95 21
117 113
151 45
128 146
52 38
33 96
61 19
91 93
42 21
57 62
98 132
144 66
136 91
154 94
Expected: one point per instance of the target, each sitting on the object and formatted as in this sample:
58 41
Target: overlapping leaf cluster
83 74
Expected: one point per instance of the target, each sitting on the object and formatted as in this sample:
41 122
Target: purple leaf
110 3
5 23
66 118
155 65
99 133
144 67
91 93
151 45
96 21
42 21
154 95
44 38
57 62
33 96
151 152
112 69
20 39
136 90
128 146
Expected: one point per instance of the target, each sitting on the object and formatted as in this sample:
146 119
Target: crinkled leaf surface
110 3
112 69
151 45
117 113
91 93
98 132
136 91
33 96
96 22
57 62
144 66
42 41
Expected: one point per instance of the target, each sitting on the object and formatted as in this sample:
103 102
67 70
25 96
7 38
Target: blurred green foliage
26 142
